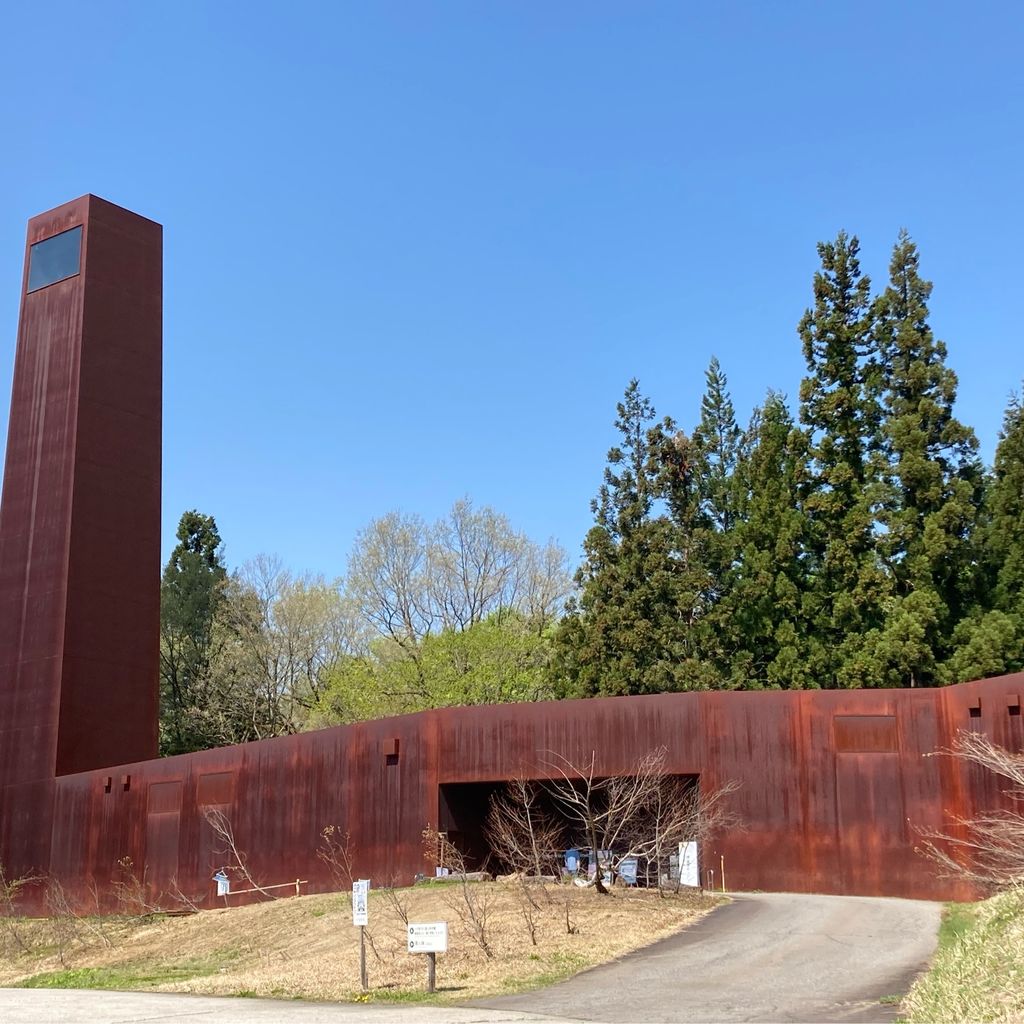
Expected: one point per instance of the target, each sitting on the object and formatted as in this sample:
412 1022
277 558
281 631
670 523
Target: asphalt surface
764 957
63 1006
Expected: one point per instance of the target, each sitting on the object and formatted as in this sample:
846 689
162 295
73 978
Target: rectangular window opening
975 712
54 259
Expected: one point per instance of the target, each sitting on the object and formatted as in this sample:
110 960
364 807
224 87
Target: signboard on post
360 902
430 937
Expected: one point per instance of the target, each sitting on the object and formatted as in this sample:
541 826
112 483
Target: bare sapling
222 829
182 901
988 849
10 893
130 892
337 852
521 834
67 926
528 841
396 903
473 902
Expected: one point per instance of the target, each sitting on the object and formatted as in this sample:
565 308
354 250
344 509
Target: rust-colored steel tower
80 515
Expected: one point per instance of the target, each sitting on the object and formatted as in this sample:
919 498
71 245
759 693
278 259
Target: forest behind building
850 537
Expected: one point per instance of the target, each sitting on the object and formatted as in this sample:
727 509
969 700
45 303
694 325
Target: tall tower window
55 259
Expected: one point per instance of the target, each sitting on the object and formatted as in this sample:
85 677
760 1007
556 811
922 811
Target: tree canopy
853 539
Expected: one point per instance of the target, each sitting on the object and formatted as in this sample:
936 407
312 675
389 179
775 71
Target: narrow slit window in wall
55 259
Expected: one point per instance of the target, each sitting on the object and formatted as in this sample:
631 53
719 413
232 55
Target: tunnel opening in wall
645 837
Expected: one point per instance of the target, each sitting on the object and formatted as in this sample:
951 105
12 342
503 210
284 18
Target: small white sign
688 872
430 937
361 901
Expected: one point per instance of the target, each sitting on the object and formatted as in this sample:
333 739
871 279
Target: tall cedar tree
1006 513
761 615
717 440
190 592
839 406
990 640
624 634
699 554
930 482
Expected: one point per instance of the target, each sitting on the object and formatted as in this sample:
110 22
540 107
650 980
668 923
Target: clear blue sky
415 251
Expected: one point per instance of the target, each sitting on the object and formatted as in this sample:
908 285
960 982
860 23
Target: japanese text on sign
360 901
430 937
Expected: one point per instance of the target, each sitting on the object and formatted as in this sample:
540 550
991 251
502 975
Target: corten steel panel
80 514
482 744
815 819
865 734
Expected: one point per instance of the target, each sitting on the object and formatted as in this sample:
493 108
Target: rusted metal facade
80 516
833 784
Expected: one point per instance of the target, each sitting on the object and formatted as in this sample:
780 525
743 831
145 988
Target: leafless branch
221 825
336 851
987 849
474 901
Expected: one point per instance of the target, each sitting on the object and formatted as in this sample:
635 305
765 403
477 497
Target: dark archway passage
462 814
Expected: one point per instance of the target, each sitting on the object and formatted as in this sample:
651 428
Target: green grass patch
131 976
978 971
957 921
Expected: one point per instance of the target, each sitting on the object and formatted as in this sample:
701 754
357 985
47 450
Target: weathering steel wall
80 519
833 785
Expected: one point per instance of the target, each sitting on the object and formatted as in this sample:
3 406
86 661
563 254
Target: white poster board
361 901
428 937
688 869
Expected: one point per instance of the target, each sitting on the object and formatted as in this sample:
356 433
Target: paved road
54 1006
764 957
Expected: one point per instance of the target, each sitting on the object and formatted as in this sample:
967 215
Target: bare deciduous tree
988 849
336 851
410 579
645 812
388 577
10 893
474 901
521 834
223 830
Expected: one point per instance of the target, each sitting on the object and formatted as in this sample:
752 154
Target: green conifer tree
761 616
930 481
717 442
989 640
191 589
839 407
625 632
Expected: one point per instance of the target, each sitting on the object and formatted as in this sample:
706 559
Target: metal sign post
361 917
430 938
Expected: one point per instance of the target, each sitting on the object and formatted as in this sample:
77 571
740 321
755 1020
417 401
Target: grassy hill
307 946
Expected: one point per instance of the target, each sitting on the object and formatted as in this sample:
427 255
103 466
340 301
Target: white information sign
360 901
430 937
688 873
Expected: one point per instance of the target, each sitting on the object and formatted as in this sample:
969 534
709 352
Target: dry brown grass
307 947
